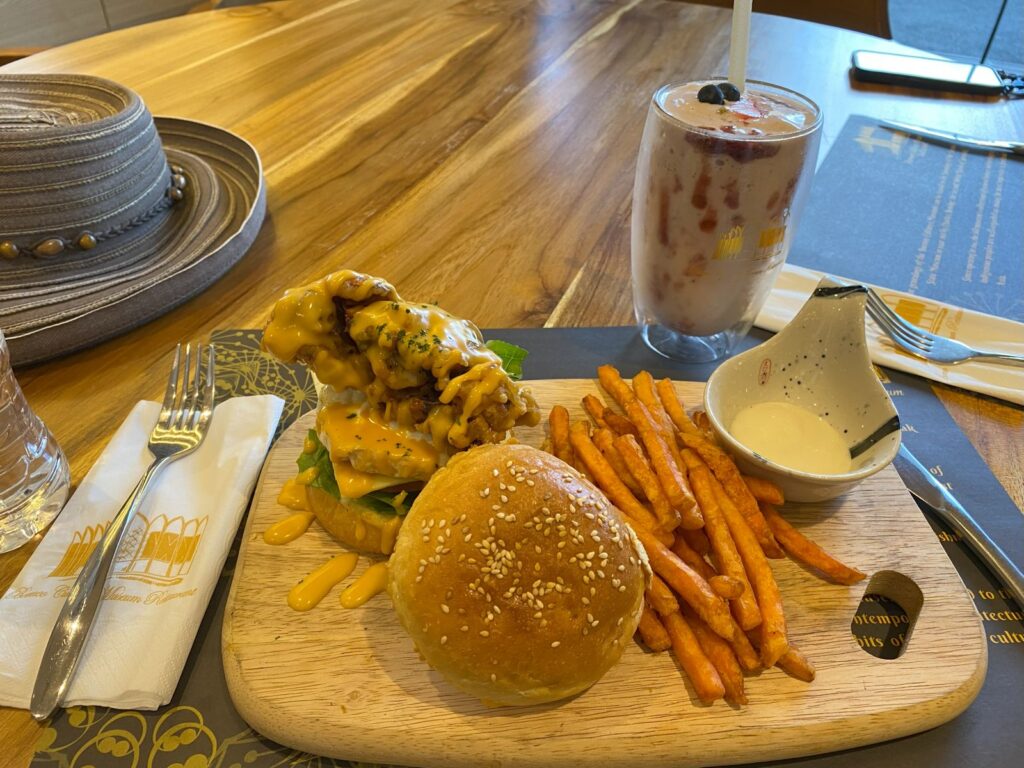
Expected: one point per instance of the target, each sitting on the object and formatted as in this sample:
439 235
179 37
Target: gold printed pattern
183 735
180 738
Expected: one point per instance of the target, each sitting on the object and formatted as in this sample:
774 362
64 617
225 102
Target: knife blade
1016 147
923 485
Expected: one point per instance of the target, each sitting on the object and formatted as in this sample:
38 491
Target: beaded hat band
86 240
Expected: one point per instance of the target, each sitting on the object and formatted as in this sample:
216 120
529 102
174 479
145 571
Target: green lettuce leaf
378 501
511 357
321 459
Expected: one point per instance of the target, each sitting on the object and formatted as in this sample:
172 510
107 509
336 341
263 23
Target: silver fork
180 429
927 345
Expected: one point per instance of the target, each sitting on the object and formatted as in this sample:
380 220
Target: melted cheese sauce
792 437
288 529
355 332
369 454
372 582
292 495
312 589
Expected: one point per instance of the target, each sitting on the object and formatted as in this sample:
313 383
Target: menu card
930 219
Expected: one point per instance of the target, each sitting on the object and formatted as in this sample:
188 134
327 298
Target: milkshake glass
719 190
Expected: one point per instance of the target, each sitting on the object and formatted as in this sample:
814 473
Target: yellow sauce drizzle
293 495
312 589
288 529
372 582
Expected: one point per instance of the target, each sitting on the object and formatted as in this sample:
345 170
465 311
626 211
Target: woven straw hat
109 217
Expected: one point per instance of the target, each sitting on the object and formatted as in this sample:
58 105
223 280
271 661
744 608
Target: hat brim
54 307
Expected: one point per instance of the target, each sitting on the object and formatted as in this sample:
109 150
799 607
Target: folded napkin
164 572
995 334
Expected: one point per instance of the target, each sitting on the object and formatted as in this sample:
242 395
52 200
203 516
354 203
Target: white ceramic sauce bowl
819 362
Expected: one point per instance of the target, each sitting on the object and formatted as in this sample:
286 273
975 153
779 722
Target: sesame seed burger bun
515 577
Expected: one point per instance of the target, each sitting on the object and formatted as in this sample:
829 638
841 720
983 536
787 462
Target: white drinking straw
739 42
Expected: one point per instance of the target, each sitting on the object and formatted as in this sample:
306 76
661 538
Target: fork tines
190 387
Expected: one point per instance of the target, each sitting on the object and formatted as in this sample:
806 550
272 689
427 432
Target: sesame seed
555 644
444 639
622 588
484 633
504 499
494 677
511 489
529 483
445 608
502 486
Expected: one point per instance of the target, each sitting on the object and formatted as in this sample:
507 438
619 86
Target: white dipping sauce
792 437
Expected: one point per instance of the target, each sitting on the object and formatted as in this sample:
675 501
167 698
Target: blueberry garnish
710 94
729 91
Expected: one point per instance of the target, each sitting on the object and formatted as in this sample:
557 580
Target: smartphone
919 72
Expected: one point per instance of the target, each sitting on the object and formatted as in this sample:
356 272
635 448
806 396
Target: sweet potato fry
689 585
652 631
606 479
674 407
729 476
682 549
660 597
726 586
669 473
703 423
643 386
604 439
595 410
748 658
702 673
773 622
721 655
611 381
764 490
725 549
633 457
698 540
618 423
795 664
558 422
807 553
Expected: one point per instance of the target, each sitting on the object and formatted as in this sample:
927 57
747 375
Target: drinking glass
713 218
34 477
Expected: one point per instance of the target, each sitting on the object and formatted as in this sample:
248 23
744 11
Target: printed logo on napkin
165 568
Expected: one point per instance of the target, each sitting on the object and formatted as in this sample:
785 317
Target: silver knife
922 484
1017 147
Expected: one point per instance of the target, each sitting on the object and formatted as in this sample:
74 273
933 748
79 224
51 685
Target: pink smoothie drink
719 189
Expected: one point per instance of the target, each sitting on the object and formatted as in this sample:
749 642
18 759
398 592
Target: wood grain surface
349 684
476 152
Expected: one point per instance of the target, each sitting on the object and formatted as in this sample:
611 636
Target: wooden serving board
348 683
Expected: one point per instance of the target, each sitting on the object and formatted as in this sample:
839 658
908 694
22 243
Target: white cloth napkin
164 572
795 284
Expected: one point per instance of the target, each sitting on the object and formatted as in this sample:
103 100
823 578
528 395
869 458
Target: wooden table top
478 153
